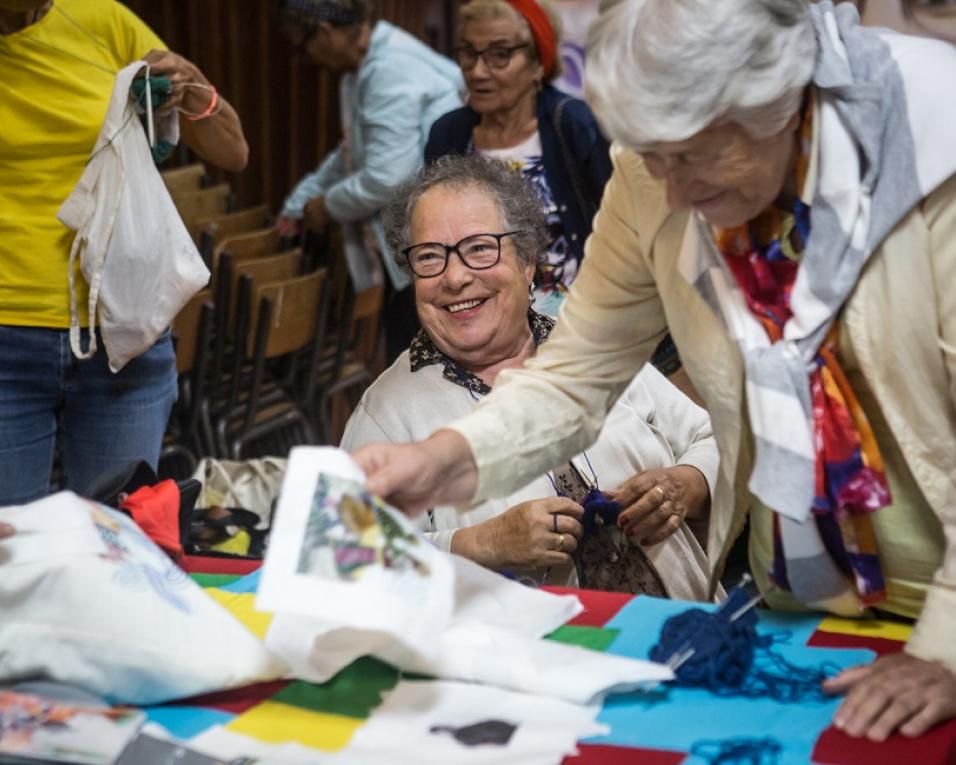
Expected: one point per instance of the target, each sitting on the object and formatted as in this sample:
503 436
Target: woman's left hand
897 692
655 502
179 71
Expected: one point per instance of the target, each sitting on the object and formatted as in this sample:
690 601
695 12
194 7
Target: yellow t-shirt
56 80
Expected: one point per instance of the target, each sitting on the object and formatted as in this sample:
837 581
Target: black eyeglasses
478 252
494 56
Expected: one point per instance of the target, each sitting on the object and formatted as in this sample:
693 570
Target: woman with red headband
508 53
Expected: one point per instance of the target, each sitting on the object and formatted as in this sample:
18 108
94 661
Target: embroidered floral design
349 530
148 569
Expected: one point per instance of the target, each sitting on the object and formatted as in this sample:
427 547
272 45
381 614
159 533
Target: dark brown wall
289 110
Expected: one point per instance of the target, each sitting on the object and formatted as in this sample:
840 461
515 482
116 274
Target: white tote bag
134 250
251 485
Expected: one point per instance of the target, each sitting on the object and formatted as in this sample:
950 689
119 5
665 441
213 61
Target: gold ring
560 547
663 495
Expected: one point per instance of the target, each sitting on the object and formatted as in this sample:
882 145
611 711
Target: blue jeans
100 420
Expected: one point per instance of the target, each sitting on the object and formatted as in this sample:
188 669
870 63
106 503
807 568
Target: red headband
542 32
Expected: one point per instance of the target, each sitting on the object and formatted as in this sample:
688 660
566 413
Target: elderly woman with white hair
784 200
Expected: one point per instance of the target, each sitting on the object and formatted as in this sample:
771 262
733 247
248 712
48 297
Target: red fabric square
599 607
209 564
237 700
882 646
601 754
937 747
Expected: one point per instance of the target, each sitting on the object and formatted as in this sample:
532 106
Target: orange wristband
213 103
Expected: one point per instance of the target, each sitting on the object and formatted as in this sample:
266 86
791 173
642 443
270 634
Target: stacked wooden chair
276 351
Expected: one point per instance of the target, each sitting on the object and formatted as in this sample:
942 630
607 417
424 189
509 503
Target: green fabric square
214 580
595 638
353 692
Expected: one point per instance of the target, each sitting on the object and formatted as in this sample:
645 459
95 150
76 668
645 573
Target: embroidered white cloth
444 722
345 579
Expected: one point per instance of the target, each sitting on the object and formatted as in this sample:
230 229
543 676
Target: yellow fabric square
873 628
277 723
242 606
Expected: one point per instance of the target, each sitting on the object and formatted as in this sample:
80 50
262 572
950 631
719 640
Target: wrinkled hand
288 227
655 502
6 530
534 534
314 215
164 63
440 470
896 692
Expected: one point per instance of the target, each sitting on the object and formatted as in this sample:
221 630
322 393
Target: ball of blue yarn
723 650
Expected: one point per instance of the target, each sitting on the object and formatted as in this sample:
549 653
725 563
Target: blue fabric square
675 718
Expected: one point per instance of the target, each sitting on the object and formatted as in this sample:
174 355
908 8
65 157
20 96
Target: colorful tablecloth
656 729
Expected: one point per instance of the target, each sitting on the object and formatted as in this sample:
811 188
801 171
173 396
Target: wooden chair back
214 230
185 178
272 268
250 244
202 204
186 330
295 305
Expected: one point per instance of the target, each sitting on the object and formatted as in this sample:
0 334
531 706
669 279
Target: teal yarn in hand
722 652
162 151
161 88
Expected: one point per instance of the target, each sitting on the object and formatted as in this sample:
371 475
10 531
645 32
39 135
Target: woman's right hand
530 535
440 470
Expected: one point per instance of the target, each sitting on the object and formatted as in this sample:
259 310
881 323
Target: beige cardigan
901 321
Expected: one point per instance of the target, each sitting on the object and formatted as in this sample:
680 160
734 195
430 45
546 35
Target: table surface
613 622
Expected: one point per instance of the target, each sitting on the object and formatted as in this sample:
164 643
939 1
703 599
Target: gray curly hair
517 202
663 70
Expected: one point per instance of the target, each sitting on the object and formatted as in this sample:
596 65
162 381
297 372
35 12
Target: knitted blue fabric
596 505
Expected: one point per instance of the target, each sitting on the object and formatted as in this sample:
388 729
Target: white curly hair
663 70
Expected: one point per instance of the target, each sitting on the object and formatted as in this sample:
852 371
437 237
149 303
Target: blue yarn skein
723 650
727 655
597 506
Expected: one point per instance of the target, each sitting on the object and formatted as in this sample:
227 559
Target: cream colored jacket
901 321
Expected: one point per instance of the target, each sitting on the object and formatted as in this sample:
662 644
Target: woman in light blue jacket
392 89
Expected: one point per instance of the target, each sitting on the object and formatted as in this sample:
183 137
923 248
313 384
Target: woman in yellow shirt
58 61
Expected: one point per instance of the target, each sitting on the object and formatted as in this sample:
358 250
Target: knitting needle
680 658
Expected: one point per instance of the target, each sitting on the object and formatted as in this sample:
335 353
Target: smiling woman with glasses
508 51
472 295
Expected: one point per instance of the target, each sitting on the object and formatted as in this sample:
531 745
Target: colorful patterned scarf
850 483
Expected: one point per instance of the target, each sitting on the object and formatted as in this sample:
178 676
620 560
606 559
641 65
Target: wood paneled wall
289 109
